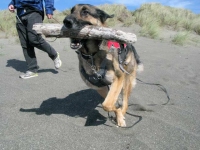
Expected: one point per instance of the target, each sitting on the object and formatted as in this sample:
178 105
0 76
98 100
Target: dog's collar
86 56
96 78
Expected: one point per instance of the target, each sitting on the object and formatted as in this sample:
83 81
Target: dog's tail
140 67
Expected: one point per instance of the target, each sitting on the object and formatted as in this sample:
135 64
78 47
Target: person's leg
28 50
35 39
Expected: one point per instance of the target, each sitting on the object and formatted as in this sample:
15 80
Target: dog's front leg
111 98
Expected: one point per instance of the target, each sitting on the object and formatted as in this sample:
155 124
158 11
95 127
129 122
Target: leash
121 61
160 86
121 57
113 119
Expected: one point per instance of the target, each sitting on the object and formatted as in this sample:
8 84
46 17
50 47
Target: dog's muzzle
71 22
68 22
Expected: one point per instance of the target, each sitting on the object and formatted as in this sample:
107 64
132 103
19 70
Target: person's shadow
78 104
20 66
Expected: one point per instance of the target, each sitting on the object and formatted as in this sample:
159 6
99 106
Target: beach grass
181 38
7 23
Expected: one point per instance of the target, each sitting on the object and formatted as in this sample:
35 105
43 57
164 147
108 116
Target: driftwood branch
87 32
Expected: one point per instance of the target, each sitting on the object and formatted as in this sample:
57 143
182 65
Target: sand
56 110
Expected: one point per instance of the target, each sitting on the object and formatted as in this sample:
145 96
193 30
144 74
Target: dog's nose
68 22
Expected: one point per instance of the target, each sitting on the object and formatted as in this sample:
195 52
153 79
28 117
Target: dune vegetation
154 21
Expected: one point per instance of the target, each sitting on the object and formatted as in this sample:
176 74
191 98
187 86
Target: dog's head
84 14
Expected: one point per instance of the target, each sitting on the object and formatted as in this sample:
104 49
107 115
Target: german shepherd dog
110 71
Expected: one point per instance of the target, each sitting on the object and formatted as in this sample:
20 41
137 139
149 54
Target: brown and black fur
118 81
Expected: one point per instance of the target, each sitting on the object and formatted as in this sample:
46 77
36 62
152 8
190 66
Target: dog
110 70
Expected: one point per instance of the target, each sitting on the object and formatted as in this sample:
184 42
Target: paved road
56 110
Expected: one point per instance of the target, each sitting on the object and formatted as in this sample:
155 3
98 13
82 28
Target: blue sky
193 5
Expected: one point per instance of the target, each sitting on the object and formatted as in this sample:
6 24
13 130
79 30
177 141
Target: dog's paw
121 122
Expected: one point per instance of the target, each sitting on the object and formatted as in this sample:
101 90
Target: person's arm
49 8
11 6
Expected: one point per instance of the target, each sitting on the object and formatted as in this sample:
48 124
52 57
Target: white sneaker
57 61
28 75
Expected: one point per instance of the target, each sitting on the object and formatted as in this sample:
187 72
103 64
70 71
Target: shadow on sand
20 66
78 104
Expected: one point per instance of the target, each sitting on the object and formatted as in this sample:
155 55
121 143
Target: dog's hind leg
110 100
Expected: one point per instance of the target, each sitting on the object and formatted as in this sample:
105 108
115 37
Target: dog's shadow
20 66
78 104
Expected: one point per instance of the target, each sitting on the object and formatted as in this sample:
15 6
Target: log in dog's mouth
75 44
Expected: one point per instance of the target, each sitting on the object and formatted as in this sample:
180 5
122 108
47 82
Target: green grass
181 38
121 14
151 30
153 17
169 17
7 23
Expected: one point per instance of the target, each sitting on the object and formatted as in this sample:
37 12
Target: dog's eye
84 12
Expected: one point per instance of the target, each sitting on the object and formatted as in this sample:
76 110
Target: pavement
57 111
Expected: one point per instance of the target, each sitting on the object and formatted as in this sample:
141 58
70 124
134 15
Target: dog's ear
103 15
